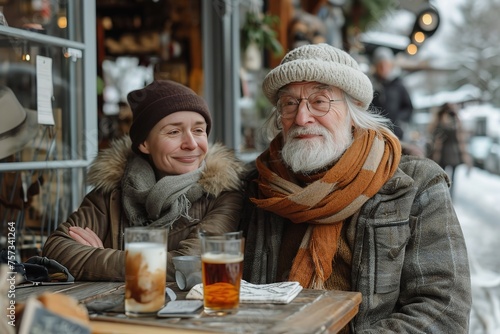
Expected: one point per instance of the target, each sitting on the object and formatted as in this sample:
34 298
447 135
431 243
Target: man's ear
143 147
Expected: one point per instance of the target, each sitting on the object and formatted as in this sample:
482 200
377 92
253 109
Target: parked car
492 161
479 148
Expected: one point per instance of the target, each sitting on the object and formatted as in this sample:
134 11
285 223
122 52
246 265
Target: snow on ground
477 203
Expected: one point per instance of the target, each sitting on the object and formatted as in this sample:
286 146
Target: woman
447 145
165 175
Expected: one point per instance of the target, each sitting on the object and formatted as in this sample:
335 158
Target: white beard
309 155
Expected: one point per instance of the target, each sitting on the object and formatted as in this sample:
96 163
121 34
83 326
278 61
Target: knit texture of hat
157 100
321 63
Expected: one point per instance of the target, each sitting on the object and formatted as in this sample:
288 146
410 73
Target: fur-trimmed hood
223 170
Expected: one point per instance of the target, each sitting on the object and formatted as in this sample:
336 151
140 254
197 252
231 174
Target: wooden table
312 311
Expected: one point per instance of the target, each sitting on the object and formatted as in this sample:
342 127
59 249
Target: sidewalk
477 203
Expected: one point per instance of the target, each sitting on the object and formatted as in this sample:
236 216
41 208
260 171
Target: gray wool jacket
409 255
217 211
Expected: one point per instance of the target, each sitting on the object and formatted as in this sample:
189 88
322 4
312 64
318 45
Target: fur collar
223 170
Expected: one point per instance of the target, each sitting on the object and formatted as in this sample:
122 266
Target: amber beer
221 281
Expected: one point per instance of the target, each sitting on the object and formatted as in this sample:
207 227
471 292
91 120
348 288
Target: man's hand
85 236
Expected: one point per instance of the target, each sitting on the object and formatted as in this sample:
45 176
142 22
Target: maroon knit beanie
157 100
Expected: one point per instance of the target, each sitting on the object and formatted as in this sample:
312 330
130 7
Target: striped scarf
327 199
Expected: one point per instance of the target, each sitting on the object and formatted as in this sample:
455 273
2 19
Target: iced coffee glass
145 270
222 268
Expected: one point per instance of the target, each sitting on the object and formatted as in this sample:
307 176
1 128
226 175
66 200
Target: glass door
48 113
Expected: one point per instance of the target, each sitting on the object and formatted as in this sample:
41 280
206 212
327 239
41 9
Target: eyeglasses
318 104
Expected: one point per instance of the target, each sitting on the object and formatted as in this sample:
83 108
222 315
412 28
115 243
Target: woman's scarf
147 201
328 199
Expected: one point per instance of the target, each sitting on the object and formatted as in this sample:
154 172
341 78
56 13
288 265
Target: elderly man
333 204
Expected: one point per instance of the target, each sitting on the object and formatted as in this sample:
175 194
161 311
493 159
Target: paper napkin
274 293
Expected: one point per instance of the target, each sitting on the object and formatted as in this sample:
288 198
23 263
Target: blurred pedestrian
447 141
390 94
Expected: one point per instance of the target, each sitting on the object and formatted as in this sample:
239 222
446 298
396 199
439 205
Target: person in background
447 144
164 174
390 94
333 203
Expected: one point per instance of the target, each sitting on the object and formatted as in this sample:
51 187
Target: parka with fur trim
217 211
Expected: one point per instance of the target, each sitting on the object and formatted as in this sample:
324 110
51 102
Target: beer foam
221 258
154 255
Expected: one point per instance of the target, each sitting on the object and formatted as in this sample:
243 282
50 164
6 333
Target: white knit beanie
320 63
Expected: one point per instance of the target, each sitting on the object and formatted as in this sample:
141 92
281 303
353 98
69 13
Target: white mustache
307 131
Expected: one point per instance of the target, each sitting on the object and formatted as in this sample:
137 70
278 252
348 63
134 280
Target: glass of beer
222 268
145 270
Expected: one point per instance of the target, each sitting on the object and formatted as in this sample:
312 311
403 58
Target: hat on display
158 100
319 63
18 125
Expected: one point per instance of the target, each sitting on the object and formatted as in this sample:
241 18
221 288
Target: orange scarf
328 200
